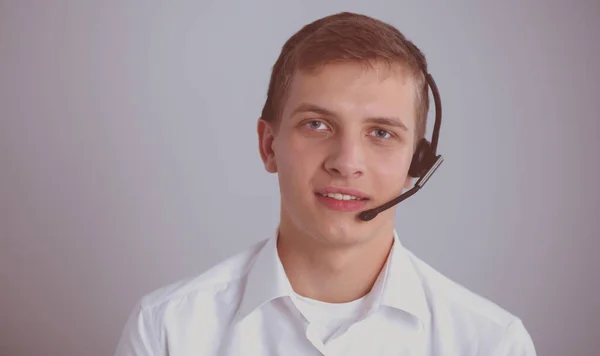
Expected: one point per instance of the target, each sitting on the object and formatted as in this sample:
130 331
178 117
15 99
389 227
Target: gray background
128 156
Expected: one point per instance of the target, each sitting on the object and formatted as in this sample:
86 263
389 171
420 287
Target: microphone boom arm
372 213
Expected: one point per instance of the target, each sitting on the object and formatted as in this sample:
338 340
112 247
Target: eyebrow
380 120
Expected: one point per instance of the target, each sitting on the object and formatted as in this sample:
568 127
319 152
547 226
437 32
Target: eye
316 125
381 134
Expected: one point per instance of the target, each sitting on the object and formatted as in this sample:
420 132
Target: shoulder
204 302
443 292
471 317
220 278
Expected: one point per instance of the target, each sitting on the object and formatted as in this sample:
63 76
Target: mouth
339 196
344 200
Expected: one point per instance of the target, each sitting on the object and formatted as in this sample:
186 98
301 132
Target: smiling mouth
339 196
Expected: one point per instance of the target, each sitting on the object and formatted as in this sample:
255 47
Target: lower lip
342 205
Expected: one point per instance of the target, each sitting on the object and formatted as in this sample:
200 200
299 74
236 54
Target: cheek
297 161
390 172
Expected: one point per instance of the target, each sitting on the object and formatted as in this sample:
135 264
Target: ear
266 135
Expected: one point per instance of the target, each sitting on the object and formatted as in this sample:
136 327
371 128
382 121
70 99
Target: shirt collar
266 279
398 285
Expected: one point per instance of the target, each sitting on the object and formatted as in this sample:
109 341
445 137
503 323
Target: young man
346 107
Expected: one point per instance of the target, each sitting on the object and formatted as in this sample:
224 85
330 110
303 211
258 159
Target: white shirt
327 318
245 306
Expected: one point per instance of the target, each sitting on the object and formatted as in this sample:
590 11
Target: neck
331 273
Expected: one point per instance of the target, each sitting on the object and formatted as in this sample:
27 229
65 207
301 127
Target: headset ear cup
421 159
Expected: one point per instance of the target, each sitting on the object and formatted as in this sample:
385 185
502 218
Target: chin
329 227
341 232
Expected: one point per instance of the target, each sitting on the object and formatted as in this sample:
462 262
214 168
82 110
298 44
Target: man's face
344 129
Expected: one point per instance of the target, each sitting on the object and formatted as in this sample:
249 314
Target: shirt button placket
313 337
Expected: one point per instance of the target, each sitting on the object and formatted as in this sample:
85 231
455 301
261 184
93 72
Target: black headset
425 154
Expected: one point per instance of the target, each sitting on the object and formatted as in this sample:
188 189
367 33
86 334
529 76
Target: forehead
355 90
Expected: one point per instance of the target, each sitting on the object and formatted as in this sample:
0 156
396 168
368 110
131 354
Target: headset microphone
425 160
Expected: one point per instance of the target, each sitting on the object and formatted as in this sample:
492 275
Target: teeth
339 196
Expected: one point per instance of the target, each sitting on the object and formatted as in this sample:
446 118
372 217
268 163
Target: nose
346 158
